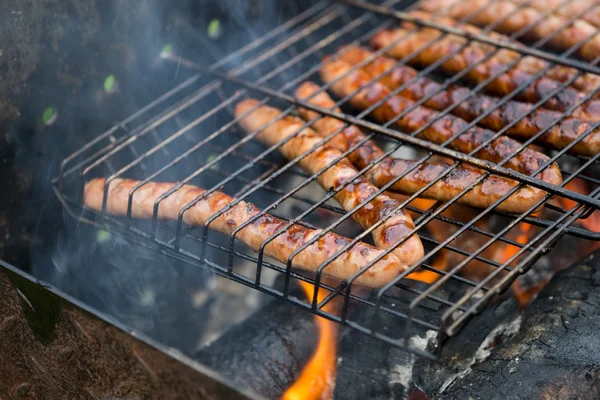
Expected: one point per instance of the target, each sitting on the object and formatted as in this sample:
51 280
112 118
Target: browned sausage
422 42
584 82
560 134
364 93
482 195
337 174
280 248
507 17
582 9
468 241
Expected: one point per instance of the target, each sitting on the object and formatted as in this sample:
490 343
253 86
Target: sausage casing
336 174
470 106
531 23
343 267
426 49
482 195
587 10
583 82
364 93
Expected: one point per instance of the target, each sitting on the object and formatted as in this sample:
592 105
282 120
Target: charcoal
369 368
363 366
375 369
459 352
555 353
267 351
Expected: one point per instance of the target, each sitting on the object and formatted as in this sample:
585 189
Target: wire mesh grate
191 135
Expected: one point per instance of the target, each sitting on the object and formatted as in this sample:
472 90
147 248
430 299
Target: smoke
98 62
101 64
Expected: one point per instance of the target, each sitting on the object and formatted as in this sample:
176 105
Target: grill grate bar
572 230
419 143
310 12
555 234
196 261
337 254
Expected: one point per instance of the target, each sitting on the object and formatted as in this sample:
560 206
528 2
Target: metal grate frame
190 135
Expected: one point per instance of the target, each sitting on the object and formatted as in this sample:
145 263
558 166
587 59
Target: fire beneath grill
526 292
317 380
592 221
328 354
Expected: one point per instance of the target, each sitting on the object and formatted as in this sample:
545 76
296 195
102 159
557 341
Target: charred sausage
343 267
559 135
482 195
422 43
336 174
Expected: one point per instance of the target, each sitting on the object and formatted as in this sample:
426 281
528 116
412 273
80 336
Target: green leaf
109 83
214 29
210 159
166 50
102 236
49 116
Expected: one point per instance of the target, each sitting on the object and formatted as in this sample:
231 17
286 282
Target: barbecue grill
190 135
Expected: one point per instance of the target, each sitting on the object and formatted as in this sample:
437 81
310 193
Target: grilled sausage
422 43
468 241
364 93
508 17
584 82
482 195
558 136
581 9
335 175
280 248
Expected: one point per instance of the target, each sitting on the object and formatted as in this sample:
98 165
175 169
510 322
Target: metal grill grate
190 135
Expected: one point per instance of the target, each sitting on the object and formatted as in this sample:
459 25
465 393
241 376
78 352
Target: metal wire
171 136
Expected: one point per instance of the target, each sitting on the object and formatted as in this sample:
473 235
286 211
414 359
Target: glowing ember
318 377
522 238
591 223
524 297
440 263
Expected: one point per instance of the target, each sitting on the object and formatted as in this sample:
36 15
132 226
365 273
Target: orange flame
429 277
522 238
591 223
317 380
523 297
440 261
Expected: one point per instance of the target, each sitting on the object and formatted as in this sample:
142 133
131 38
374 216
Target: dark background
58 53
